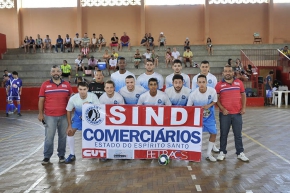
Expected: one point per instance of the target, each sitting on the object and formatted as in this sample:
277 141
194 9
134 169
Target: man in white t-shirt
177 67
79 65
154 96
75 123
143 78
178 94
206 97
112 64
175 54
111 96
147 55
204 69
131 92
77 42
119 77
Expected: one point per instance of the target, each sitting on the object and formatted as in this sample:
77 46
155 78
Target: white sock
71 144
215 148
209 148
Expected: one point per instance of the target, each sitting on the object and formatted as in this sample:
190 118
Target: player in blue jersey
206 97
153 96
178 93
12 108
119 77
75 123
111 96
143 78
131 92
14 91
204 69
177 67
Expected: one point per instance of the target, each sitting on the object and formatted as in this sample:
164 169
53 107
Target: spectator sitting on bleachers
39 43
150 41
238 61
79 65
106 57
77 42
125 41
175 54
47 43
286 51
31 44
209 46
187 57
186 43
144 41
147 55
114 42
92 63
86 41
112 64
154 58
137 58
66 70
230 61
67 43
59 44
26 44
168 57
116 55
161 40
249 70
101 42
94 43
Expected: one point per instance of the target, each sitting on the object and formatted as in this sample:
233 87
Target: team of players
146 90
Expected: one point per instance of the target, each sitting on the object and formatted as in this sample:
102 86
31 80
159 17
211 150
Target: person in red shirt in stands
53 98
125 41
232 104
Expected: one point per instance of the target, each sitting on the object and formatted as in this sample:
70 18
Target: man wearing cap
77 42
187 57
125 41
186 43
161 40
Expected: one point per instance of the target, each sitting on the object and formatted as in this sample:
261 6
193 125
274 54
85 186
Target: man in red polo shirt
232 104
53 98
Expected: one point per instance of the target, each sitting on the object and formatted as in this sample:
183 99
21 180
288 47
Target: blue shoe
70 158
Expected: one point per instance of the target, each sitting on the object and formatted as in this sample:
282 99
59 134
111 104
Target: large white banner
141 132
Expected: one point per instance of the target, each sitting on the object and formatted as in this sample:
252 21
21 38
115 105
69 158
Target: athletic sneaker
70 159
7 115
221 156
45 161
211 158
215 149
19 114
243 157
61 159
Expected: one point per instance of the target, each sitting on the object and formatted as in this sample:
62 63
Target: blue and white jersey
15 85
117 99
143 80
211 81
159 99
180 98
119 79
76 102
197 98
186 80
132 97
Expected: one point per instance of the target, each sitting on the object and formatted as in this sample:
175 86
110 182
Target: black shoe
19 114
7 115
61 159
45 161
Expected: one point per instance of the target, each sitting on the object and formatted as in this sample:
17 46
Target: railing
284 61
3 46
262 57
